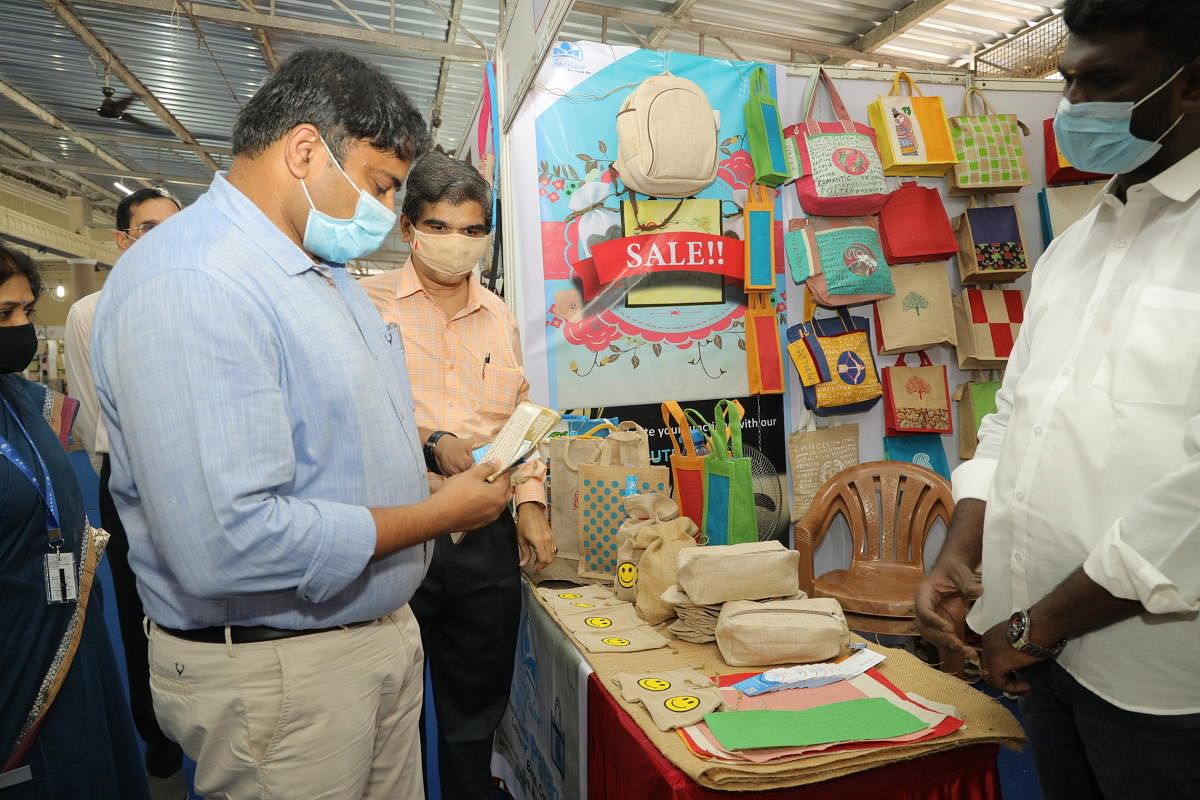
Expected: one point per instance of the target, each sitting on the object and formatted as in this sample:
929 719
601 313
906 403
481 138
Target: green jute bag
764 133
729 516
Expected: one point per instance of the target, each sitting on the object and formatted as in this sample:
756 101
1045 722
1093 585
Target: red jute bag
914 227
687 466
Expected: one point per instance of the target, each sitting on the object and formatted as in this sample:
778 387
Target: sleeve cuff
346 546
531 491
1121 570
973 479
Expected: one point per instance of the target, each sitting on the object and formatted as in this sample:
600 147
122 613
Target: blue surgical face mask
1096 136
341 240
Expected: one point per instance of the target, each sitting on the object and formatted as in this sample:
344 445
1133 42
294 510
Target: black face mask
18 346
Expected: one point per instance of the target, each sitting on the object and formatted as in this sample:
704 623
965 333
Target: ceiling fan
113 107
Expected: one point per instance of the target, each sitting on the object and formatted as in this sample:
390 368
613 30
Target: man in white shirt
137 214
1083 500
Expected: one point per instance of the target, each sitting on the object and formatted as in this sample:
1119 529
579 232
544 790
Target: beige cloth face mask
448 255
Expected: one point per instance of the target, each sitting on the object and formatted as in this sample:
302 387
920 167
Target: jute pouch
645 513
674 699
620 617
781 631
643 637
656 570
749 571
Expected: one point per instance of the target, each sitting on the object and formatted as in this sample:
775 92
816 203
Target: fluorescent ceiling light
122 188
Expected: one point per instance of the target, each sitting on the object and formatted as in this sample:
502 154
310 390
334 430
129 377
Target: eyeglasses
142 229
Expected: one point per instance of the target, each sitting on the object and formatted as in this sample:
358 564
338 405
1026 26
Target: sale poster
636 312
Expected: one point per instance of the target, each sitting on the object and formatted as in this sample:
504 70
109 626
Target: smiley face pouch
674 699
614 618
643 637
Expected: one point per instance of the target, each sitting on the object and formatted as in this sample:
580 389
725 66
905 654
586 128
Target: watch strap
428 451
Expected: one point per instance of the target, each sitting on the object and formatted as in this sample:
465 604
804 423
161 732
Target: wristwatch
1018 635
430 443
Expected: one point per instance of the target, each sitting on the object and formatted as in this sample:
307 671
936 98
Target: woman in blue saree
65 730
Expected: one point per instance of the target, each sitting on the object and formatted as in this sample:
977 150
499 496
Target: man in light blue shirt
265 459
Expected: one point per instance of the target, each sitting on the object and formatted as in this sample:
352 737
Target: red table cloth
624 765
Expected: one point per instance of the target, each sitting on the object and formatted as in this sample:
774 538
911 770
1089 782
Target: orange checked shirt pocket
501 388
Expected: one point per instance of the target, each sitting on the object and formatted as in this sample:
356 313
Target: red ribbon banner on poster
680 251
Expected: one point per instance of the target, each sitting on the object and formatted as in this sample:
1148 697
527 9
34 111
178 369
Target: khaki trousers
329 715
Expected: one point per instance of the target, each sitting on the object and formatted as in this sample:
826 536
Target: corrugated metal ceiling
43 59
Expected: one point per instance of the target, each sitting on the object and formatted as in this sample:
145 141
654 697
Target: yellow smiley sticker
598 622
626 575
654 684
615 641
582 605
570 595
682 703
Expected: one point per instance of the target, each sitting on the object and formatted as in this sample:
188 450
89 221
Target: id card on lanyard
61 582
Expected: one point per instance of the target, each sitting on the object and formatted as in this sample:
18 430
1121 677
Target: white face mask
450 256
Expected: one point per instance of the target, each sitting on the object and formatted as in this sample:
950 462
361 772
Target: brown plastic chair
890 508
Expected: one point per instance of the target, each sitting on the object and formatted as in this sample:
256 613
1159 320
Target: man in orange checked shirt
464 364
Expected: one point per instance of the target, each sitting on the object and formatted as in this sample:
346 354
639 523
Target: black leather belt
248 634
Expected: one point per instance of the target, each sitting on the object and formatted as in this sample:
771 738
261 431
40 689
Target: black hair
439 178
343 96
130 202
1171 25
13 263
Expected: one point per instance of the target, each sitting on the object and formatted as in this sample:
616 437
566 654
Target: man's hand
468 501
1001 661
535 539
941 605
453 455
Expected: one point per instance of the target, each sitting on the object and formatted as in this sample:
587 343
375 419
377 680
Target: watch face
1016 627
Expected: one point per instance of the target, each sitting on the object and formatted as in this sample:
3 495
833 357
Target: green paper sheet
866 719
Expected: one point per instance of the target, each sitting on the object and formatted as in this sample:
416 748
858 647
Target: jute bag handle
911 85
921 354
974 92
589 434
835 100
671 411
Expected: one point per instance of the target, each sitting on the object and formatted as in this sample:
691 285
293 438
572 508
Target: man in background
137 214
1083 499
464 362
265 455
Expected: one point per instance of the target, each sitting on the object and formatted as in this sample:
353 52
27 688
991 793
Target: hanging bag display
921 312
976 399
667 138
837 369
841 260
989 148
914 227
687 466
764 132
817 454
924 450
764 352
841 175
759 229
991 245
1058 169
916 399
987 321
729 516
912 131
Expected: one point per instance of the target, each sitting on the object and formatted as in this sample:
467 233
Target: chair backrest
890 507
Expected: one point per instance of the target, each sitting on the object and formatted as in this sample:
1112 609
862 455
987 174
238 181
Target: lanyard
45 491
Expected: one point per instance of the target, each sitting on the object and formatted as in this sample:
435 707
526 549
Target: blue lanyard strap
45 488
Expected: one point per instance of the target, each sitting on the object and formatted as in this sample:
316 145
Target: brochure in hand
519 438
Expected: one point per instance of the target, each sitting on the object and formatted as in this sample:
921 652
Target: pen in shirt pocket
483 371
